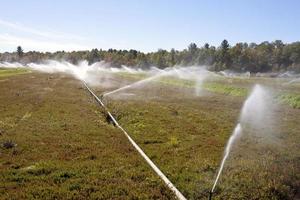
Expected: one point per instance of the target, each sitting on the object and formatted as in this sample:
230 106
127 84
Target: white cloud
11 42
15 34
47 34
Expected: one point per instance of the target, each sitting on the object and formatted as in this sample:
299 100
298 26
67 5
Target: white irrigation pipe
154 167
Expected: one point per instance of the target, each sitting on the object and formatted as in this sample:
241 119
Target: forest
267 56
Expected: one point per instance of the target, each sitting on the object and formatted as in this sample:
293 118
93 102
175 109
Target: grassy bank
12 72
292 100
220 87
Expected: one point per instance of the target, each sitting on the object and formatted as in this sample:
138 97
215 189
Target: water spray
137 83
253 111
194 73
236 132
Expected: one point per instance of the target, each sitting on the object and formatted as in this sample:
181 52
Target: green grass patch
174 141
211 87
225 89
11 72
132 75
177 82
292 100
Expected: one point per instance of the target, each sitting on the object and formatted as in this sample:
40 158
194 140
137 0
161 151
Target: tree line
264 57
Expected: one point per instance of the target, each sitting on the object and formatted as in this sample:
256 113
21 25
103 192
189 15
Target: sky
145 25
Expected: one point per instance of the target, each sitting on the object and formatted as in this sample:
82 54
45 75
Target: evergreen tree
20 52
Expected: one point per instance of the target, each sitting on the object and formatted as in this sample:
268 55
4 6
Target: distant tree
278 44
159 58
133 53
224 45
263 58
20 52
192 48
206 46
172 59
189 55
224 57
236 56
276 56
93 56
252 45
142 60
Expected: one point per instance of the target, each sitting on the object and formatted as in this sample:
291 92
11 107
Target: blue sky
145 25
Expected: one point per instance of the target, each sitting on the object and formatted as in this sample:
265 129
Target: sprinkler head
210 195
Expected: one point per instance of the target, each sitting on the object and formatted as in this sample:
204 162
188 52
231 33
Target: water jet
252 113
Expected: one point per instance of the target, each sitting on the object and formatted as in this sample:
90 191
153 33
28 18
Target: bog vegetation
56 143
